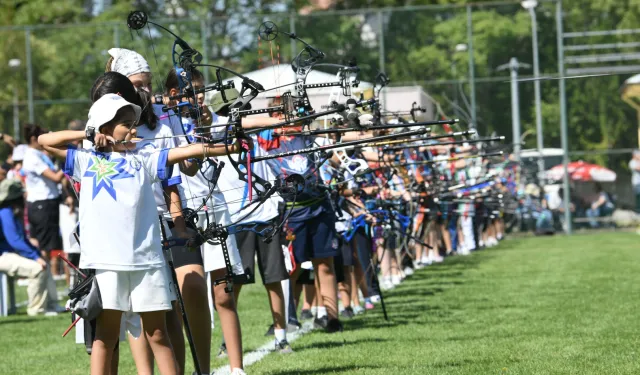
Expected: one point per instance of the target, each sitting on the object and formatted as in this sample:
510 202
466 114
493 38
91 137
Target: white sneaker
238 371
491 242
437 259
396 280
358 310
375 299
408 271
426 260
418 265
386 284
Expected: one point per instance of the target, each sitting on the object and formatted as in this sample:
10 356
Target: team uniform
130 267
193 191
312 218
271 262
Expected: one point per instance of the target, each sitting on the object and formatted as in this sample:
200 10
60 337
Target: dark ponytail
32 130
116 83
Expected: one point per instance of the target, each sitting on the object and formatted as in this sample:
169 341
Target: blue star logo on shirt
104 171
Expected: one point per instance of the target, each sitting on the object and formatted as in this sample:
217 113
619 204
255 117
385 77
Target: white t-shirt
159 139
38 187
119 226
192 189
236 192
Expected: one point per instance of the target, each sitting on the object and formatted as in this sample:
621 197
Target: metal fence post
204 30
381 51
563 118
472 78
27 42
292 27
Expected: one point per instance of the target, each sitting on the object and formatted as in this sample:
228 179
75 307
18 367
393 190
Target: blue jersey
313 200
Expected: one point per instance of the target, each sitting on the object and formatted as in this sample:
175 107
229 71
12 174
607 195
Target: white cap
18 153
105 109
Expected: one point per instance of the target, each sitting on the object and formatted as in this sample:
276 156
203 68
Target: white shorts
212 254
136 291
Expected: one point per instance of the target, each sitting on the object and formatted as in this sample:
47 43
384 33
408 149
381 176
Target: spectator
634 165
17 157
602 206
43 194
19 258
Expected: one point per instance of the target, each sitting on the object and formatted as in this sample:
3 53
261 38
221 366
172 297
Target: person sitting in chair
602 206
19 258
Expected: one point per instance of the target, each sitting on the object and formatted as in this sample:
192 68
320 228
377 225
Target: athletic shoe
333 326
396 280
408 271
418 265
238 371
293 326
321 322
357 310
347 313
306 314
270 331
222 352
386 285
369 306
375 298
437 259
283 347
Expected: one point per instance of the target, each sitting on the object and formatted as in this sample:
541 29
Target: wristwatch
90 134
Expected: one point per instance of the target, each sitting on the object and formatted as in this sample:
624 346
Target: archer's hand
102 140
206 118
366 119
188 234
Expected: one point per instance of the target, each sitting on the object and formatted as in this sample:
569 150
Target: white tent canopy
394 99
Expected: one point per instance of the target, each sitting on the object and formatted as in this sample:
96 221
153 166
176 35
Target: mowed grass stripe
554 305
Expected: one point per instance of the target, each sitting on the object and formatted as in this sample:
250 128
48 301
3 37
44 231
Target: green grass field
553 305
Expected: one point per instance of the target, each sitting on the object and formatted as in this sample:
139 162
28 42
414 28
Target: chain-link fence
459 55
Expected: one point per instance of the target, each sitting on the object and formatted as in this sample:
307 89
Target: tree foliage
418 49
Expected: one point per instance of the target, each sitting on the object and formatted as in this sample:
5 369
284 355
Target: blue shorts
315 238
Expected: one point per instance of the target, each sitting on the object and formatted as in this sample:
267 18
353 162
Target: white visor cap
105 109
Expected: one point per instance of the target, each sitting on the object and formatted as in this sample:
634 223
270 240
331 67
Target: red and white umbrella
581 171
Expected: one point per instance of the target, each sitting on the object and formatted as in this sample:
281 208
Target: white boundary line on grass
258 354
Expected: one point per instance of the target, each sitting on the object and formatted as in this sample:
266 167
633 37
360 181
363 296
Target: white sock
281 334
322 311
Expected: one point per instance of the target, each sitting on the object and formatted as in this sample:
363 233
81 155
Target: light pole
460 47
513 66
530 5
14 64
